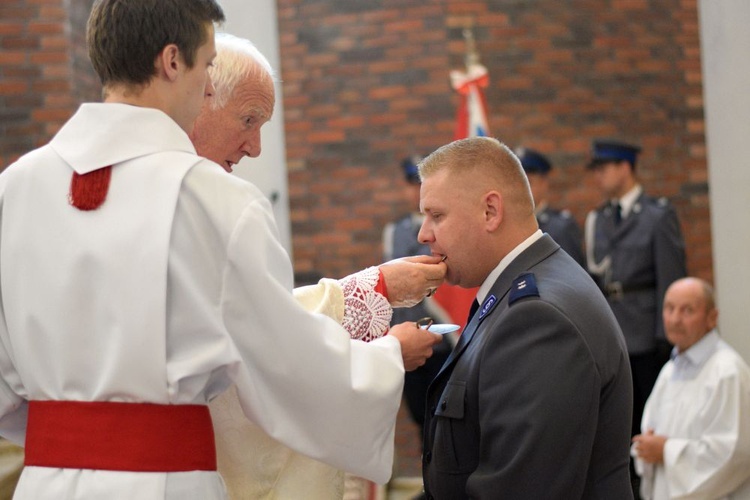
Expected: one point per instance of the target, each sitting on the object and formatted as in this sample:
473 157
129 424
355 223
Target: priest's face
226 134
688 314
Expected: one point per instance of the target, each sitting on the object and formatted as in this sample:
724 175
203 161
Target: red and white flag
471 121
471 118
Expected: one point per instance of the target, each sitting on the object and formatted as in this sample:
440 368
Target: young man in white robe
139 281
696 431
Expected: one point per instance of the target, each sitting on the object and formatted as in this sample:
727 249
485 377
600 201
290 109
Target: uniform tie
617 211
472 310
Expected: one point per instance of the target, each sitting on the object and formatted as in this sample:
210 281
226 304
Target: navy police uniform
633 261
559 224
535 400
563 228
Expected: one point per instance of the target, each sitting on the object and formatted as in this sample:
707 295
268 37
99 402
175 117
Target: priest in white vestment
696 424
252 464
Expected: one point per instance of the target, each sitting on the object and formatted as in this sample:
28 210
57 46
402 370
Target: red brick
346 122
49 57
51 115
10 29
56 12
46 28
13 87
11 57
54 42
387 92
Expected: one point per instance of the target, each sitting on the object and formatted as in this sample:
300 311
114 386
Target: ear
712 318
169 62
493 210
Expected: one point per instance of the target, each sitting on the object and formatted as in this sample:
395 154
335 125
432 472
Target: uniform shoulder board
523 286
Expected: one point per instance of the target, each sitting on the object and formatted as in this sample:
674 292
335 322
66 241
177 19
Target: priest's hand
650 447
416 344
410 279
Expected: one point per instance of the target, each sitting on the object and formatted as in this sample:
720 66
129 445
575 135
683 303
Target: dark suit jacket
564 230
535 401
647 250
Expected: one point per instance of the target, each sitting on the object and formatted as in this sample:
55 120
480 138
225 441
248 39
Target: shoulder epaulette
523 286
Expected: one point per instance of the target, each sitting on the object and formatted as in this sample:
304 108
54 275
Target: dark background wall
365 84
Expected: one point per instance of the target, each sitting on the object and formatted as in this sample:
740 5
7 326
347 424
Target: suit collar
528 258
484 289
629 200
614 231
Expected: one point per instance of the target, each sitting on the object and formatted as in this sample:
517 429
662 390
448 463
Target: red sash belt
139 437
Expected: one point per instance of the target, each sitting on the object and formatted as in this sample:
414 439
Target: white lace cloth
367 314
254 465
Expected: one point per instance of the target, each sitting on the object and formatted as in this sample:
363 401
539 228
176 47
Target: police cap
411 173
533 162
609 151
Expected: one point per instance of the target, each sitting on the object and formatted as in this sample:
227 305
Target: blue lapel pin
488 304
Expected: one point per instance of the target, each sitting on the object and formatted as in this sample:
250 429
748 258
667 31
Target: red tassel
88 191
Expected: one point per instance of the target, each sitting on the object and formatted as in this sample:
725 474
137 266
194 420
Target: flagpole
472 56
471 121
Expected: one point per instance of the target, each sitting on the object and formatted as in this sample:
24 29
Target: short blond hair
485 163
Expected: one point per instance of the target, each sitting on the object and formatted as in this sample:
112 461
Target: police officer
400 240
559 224
634 251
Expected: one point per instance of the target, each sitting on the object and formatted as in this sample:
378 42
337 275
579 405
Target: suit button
427 457
432 410
443 405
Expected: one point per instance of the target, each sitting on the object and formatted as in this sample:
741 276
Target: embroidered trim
367 313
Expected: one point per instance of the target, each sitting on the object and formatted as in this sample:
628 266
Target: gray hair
236 59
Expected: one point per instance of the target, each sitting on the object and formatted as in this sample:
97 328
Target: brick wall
41 76
366 84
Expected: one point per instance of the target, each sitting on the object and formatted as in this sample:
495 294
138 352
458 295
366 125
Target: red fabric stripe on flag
456 301
138 437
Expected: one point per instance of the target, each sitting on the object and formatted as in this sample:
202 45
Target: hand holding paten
416 344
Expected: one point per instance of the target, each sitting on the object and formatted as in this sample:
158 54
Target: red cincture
105 435
88 191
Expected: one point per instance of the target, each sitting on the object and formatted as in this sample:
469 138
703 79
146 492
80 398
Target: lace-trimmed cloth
367 313
271 470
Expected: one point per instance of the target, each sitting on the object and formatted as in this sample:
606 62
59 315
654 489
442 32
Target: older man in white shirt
696 426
